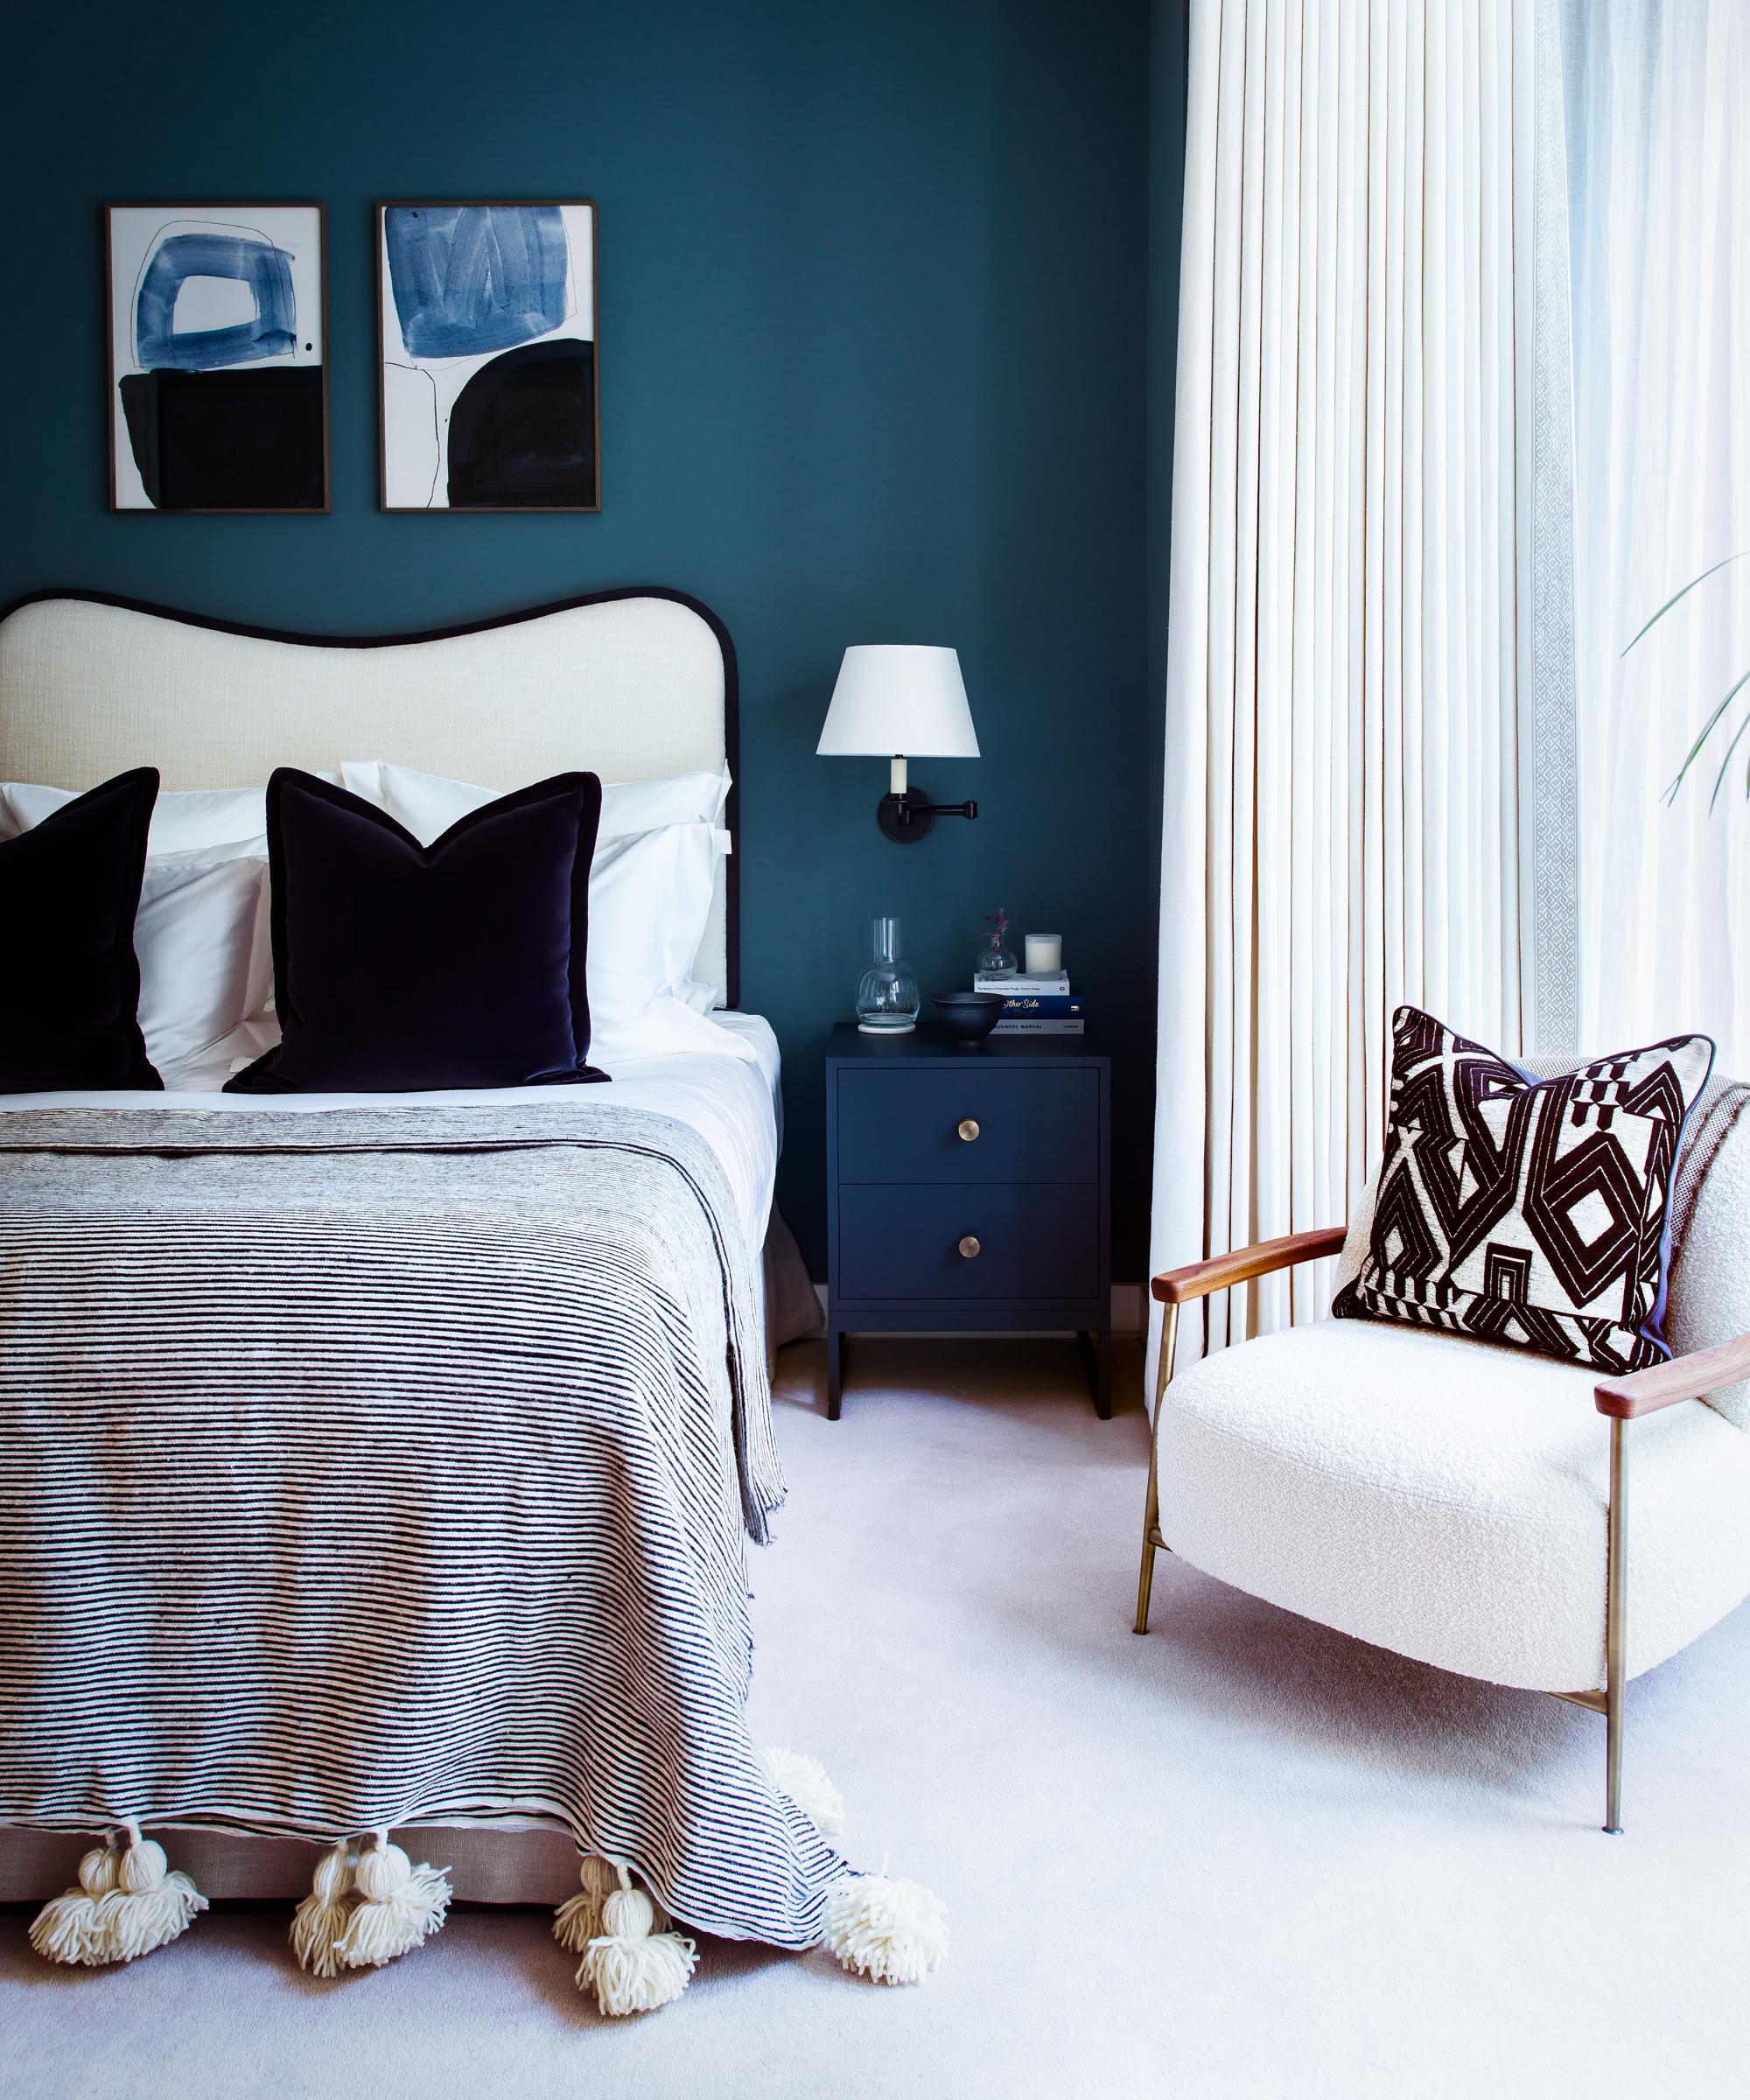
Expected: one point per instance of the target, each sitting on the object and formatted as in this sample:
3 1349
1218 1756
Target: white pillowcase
22 807
225 824
426 804
649 896
684 798
205 959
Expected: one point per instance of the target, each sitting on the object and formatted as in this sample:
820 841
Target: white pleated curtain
1359 699
1659 157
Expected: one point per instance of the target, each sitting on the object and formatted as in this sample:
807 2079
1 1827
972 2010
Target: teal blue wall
874 319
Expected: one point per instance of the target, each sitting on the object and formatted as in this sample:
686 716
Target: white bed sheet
732 1102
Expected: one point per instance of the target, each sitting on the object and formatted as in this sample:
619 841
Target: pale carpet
1241 1857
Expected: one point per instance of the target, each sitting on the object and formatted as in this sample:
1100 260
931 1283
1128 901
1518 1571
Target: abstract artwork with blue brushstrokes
488 375
218 358
265 269
470 278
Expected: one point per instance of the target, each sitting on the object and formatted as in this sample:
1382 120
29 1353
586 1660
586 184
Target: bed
386 1462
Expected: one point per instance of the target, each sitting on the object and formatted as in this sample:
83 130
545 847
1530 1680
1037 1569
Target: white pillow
206 960
22 807
684 798
426 804
650 894
225 823
649 897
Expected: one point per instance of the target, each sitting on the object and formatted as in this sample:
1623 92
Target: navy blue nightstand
968 1189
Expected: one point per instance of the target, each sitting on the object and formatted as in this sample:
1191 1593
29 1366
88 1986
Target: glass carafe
887 998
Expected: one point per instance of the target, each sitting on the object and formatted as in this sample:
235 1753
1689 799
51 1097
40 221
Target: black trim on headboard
731 692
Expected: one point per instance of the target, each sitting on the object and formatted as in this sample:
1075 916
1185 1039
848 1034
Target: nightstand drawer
1033 1242
901 1125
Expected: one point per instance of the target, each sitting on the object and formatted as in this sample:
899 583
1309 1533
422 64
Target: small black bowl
969 1016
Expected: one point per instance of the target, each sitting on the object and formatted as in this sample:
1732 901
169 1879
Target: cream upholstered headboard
632 685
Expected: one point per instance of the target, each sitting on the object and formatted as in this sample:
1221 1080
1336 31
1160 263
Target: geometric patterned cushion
1523 1211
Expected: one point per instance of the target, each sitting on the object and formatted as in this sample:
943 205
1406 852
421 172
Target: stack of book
1035 1005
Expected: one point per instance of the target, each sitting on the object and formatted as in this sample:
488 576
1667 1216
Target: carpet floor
1243 1856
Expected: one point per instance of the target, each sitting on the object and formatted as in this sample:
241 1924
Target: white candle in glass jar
1045 954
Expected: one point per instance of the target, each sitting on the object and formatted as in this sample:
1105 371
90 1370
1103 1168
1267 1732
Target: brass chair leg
1615 1630
1152 1539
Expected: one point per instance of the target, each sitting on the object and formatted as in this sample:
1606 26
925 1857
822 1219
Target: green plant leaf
1719 778
1708 730
1685 593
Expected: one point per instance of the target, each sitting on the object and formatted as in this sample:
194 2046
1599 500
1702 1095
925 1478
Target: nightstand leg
835 1372
1094 1346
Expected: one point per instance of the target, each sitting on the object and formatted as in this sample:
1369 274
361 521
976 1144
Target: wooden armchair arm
1198 1280
1664 1384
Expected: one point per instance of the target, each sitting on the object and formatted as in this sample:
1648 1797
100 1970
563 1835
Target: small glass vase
887 999
994 961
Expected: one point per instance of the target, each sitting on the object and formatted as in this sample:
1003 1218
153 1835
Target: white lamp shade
895 697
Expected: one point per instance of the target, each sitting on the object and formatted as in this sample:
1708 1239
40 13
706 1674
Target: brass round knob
968 1246
969 1131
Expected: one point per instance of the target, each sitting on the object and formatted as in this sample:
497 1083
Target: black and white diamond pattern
1526 1211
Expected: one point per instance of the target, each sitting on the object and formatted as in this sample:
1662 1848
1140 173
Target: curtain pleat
1342 806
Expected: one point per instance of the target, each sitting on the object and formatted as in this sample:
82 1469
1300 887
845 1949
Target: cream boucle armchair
1461 1503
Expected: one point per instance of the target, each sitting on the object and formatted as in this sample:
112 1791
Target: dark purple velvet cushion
399 967
69 980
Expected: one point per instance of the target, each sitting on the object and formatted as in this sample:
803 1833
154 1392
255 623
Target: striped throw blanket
364 1467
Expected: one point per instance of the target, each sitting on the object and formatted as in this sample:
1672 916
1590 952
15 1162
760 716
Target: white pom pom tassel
65 1929
893 1932
127 1903
805 1781
630 1968
320 1922
579 1919
403 1905
150 1906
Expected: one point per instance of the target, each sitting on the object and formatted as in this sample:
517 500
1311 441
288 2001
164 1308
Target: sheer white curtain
1354 697
1659 170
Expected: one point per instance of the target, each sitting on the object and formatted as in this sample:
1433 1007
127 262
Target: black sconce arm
906 818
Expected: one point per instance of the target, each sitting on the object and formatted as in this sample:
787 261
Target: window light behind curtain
1370 790
1659 175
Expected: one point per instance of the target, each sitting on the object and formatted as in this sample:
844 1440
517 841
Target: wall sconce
896 701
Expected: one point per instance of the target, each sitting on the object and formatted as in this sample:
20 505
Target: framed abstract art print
218 357
488 371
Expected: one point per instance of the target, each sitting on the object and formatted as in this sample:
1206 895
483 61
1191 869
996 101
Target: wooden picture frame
218 318
488 371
